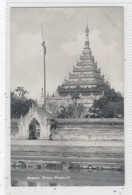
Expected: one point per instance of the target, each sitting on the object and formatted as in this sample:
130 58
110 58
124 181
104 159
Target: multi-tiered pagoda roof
86 76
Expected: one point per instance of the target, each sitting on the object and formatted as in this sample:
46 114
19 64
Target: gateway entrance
34 130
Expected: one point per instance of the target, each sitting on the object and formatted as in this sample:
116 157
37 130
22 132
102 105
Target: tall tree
111 104
20 104
20 92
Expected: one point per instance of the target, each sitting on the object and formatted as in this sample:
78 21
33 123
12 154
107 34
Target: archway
34 129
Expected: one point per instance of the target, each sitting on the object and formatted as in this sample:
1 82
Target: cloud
73 48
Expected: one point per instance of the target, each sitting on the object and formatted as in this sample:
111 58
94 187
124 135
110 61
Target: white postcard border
128 105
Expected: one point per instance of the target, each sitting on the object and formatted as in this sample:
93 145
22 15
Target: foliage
53 107
110 105
62 112
20 104
20 92
71 111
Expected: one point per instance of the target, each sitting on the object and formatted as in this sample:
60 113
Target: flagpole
44 54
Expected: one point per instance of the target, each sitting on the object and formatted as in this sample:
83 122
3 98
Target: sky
64 35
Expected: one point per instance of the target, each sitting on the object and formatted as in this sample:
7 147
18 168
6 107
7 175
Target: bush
20 104
111 105
113 109
72 111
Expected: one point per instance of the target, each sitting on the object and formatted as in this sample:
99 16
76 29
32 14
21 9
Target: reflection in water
66 178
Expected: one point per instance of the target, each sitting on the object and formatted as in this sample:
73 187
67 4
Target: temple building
86 76
85 80
84 85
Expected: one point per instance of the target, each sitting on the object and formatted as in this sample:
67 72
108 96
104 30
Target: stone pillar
41 131
44 130
23 131
48 130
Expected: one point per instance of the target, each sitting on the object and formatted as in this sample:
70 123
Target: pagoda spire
87 36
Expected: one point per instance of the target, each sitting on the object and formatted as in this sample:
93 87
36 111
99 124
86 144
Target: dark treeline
110 105
20 104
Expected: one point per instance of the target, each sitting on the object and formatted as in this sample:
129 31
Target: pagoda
85 78
84 85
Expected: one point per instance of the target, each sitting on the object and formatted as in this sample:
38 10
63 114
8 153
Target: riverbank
90 146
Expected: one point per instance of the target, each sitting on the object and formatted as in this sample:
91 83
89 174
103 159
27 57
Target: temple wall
90 130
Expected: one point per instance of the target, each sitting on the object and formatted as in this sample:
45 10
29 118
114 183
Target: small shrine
36 124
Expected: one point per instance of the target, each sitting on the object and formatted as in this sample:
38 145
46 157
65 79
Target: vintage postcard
67 96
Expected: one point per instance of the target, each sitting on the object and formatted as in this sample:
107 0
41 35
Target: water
67 177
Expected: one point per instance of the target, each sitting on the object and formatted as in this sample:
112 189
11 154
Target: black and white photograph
67 96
